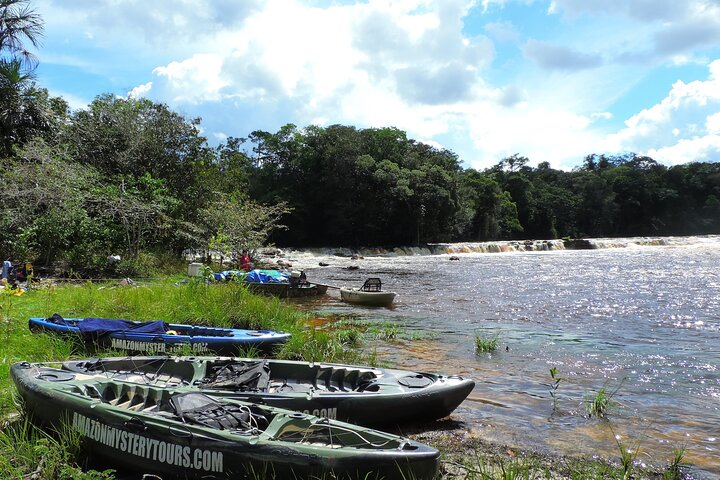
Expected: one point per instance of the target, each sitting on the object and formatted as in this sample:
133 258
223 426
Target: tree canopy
131 176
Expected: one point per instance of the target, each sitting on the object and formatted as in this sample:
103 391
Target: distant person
6 266
21 273
245 261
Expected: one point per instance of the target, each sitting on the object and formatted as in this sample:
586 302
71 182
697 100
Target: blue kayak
159 337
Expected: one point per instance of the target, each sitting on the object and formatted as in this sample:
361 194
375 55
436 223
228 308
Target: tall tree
25 110
14 84
19 24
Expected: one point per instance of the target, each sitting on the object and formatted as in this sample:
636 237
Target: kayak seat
238 376
372 285
203 410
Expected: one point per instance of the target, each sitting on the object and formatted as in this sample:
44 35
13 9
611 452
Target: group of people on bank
15 274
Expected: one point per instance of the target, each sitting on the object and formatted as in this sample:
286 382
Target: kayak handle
178 431
135 425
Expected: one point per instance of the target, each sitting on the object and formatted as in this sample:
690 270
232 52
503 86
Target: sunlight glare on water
644 321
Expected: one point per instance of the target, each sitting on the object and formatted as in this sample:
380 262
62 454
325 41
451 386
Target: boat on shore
370 294
158 430
274 283
362 395
286 290
158 337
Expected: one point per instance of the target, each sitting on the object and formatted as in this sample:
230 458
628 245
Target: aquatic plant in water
599 404
486 344
556 379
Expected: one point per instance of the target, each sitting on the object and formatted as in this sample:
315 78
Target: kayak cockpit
279 377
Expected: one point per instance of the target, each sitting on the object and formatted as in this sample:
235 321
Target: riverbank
464 454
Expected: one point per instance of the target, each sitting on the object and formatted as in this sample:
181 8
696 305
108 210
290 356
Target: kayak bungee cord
308 431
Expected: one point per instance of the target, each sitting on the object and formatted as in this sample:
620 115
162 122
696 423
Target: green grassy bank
27 453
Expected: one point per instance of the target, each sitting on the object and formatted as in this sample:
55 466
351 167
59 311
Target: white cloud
700 149
408 64
405 64
713 124
192 81
540 133
681 128
601 116
140 90
376 64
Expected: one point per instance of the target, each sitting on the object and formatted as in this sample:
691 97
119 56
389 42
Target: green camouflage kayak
362 395
189 434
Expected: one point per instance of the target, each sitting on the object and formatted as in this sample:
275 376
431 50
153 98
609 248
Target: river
639 317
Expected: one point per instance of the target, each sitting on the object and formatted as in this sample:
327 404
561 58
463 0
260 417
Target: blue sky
553 80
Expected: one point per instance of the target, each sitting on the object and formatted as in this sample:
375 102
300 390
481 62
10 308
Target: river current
639 317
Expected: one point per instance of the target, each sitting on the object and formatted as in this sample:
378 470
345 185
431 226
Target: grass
225 305
601 402
675 467
628 455
484 344
387 331
28 452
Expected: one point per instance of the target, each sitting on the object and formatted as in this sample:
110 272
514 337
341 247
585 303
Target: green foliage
237 223
484 344
335 178
349 337
127 176
674 470
628 455
148 264
387 331
601 402
26 452
20 24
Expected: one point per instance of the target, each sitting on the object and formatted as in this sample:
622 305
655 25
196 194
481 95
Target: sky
551 80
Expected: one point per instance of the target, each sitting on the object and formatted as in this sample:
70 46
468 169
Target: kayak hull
130 426
286 290
357 394
370 299
189 339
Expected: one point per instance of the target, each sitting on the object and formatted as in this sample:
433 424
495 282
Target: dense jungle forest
130 176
